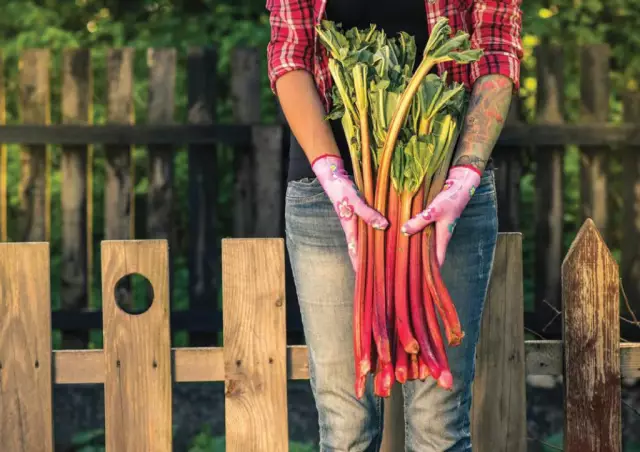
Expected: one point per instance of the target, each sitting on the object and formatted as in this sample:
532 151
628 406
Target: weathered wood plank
137 353
162 80
546 357
591 334
161 108
3 158
585 135
119 168
207 363
594 96
630 259
34 191
203 243
499 410
119 184
508 172
549 182
254 345
26 422
76 166
245 94
129 134
267 140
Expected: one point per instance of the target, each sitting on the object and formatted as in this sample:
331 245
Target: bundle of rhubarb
401 126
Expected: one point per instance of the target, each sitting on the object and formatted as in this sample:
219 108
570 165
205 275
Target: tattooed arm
488 108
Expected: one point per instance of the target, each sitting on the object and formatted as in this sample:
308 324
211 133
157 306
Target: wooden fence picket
35 192
203 251
76 196
137 350
549 183
591 334
26 422
499 411
255 345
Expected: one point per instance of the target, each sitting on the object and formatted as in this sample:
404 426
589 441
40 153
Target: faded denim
436 420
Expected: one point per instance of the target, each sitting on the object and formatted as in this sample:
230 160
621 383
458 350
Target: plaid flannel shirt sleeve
291 43
496 28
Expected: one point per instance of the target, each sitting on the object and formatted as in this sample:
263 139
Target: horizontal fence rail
529 135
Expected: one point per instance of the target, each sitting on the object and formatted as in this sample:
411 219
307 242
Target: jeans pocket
304 191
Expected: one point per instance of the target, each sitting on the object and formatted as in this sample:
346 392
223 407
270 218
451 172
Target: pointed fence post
591 334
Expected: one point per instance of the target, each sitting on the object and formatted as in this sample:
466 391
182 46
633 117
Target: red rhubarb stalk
358 307
446 306
446 379
403 326
416 295
402 363
414 368
423 369
367 319
391 242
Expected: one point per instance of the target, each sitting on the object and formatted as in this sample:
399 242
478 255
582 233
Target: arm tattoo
488 109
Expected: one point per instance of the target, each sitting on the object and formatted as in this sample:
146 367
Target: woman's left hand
446 208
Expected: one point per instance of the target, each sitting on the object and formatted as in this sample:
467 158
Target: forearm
488 108
305 114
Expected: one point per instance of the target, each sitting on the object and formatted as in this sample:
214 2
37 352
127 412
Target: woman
321 242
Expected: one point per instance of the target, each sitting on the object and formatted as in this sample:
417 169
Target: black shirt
392 17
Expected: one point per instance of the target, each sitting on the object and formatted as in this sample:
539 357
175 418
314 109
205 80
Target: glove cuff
470 167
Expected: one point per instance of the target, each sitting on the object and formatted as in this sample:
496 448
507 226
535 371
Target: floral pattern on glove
347 200
446 208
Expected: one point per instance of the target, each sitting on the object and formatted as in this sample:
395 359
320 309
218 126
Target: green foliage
94 441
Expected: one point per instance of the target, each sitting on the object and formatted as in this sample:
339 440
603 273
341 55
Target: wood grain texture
591 334
498 418
594 108
76 199
34 191
245 95
137 351
26 422
203 253
202 364
256 417
546 358
199 364
549 183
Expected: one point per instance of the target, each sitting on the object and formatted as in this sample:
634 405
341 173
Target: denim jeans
436 420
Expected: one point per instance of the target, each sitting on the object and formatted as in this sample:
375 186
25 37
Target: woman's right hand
347 201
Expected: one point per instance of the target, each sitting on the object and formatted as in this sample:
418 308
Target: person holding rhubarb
323 206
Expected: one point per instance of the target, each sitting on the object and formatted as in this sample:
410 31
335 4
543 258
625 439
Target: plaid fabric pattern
494 25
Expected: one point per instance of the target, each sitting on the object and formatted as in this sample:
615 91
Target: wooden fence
137 365
259 170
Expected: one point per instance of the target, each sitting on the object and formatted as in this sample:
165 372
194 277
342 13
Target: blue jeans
436 420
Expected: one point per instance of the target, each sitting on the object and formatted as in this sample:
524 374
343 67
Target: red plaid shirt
494 26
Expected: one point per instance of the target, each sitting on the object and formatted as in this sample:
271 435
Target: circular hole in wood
134 294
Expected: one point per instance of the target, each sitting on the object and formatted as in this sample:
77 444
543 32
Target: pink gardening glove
446 208
347 200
